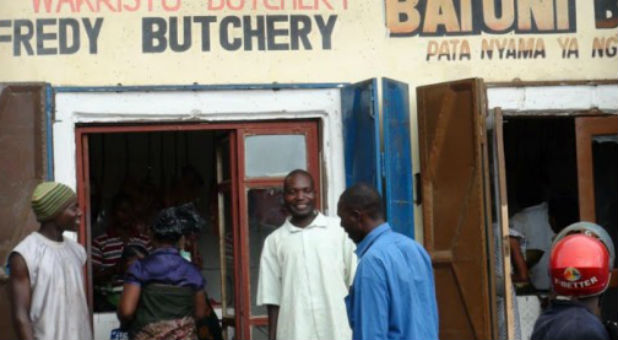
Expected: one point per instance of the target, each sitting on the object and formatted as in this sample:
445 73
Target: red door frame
83 191
310 130
243 317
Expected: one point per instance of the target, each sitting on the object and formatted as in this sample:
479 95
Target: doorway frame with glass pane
237 184
247 182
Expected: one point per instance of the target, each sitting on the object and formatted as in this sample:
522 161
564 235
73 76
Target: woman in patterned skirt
163 296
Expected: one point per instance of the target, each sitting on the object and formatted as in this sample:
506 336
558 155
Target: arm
269 285
350 260
20 296
128 303
518 261
273 315
206 320
202 309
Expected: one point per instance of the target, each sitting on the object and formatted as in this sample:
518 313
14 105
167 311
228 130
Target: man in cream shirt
306 267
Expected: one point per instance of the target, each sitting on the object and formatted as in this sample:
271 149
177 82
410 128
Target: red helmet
579 266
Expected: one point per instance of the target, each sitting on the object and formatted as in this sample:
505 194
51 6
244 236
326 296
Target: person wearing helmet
580 261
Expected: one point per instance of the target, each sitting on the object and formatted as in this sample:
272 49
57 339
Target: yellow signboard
103 42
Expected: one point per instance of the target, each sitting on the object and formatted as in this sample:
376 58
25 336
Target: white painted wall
556 99
203 106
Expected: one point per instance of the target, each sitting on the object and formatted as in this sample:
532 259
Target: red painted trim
82 166
238 281
310 130
83 192
313 147
257 126
137 127
259 321
263 182
244 298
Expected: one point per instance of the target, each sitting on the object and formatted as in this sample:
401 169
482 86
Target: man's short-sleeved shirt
533 224
568 320
107 251
393 294
107 248
307 272
58 308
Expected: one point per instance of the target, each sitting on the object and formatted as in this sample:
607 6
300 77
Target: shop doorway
229 172
541 172
597 168
563 167
480 166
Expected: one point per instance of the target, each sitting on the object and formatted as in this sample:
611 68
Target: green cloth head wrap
49 199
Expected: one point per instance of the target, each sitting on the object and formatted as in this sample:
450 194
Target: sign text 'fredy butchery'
446 30
282 25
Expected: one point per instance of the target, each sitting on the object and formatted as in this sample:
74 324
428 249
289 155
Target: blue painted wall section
361 133
49 111
397 156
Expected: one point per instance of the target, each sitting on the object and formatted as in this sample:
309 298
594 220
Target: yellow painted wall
362 45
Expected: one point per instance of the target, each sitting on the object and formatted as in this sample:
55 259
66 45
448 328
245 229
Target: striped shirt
107 251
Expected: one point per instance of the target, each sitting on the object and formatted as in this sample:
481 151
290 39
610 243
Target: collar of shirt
318 221
366 243
561 301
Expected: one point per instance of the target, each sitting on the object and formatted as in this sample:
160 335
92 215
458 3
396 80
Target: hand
518 278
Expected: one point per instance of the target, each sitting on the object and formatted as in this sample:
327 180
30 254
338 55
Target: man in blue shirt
393 294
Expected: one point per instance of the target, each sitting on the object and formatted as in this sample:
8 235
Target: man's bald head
297 172
364 198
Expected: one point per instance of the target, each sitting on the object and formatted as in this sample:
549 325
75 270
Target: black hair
363 197
119 199
171 223
166 226
298 172
189 218
190 172
564 210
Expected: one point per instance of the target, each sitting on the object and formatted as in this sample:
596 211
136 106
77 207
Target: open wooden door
452 142
24 162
